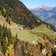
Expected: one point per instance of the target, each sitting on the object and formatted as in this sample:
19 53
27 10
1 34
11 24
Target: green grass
43 30
24 35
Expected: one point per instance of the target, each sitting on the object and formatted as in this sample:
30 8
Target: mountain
47 14
18 12
22 33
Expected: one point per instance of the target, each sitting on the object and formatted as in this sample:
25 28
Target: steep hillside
18 12
16 39
29 40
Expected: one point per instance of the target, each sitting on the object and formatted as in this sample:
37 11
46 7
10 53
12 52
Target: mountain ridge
48 15
20 12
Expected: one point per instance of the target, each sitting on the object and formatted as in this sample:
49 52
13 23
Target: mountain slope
18 12
22 34
18 40
9 10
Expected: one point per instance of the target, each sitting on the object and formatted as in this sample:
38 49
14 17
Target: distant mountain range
47 14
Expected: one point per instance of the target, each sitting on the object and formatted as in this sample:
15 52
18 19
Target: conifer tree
0 33
4 46
16 40
9 36
22 49
28 54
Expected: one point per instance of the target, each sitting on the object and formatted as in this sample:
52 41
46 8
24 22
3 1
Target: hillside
22 33
18 12
40 34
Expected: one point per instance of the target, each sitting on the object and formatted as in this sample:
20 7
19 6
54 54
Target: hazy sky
36 3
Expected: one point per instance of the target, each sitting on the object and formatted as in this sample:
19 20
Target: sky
30 4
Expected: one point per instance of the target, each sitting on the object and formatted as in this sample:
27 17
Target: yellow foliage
0 46
6 39
49 54
10 51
